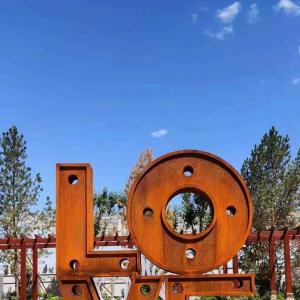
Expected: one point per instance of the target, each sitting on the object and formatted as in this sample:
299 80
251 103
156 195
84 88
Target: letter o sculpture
209 176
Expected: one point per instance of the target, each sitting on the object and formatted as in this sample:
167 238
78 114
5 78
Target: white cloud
159 133
225 16
299 49
296 81
253 14
195 18
222 33
289 7
229 13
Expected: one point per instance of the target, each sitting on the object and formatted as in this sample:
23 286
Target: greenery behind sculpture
273 179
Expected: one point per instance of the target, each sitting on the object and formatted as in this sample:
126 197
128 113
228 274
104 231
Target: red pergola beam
119 240
50 242
39 242
265 235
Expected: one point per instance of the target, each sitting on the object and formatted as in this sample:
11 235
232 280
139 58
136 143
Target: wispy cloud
159 133
220 34
296 81
299 49
195 17
229 13
225 16
289 7
198 12
253 14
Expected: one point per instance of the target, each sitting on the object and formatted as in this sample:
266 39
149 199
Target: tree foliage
191 214
273 179
19 193
107 204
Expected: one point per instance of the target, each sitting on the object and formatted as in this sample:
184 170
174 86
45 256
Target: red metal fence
25 243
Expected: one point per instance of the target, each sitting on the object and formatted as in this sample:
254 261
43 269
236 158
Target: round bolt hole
76 290
190 253
145 289
73 179
188 171
74 265
238 283
124 264
177 288
230 211
148 212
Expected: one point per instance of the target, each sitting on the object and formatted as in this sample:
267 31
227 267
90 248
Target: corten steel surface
211 176
179 287
78 262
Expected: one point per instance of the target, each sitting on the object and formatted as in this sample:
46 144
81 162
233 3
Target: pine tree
273 179
19 193
274 182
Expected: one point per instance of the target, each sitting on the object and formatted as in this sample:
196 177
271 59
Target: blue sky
99 81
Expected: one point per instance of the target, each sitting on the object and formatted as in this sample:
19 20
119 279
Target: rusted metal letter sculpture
187 255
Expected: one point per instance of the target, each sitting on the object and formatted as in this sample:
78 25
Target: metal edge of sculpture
77 261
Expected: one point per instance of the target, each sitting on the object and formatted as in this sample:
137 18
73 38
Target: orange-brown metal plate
162 180
78 262
183 287
180 287
76 258
78 289
153 283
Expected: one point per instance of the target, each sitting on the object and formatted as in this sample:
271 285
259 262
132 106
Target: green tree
273 179
188 211
203 211
107 204
19 193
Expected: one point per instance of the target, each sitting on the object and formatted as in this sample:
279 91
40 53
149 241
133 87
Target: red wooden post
34 273
235 264
225 269
272 267
287 264
130 242
23 270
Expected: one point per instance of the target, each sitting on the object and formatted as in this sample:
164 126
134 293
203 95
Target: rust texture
224 188
78 262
